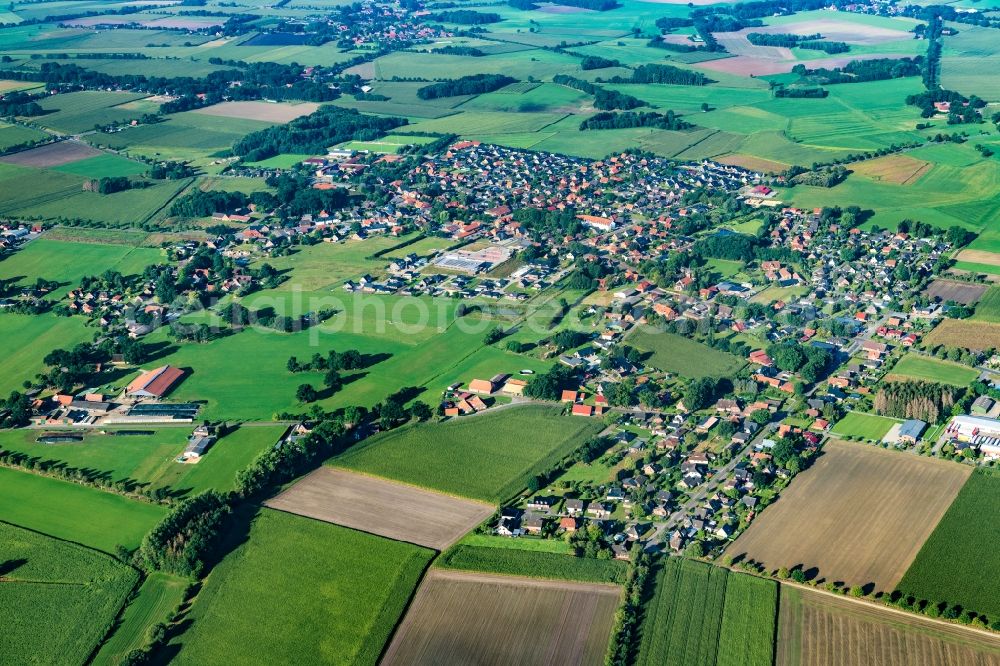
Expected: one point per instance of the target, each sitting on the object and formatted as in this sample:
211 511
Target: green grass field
27 340
748 621
76 112
483 457
949 565
104 166
533 564
673 353
150 460
928 369
155 602
300 590
65 510
58 599
67 262
11 135
988 307
868 426
683 619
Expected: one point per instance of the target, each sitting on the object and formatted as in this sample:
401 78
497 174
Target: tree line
473 84
608 120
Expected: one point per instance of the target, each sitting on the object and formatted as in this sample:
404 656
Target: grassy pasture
858 515
156 600
76 112
150 460
104 166
11 135
673 353
868 426
183 136
27 340
928 369
35 193
58 599
948 566
75 513
481 457
817 629
340 593
526 621
67 262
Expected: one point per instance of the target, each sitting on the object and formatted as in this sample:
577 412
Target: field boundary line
396 481
473 576
872 604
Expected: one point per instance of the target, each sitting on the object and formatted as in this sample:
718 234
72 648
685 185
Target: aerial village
812 311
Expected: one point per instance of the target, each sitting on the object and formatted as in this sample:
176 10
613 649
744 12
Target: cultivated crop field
948 567
483 457
267 112
702 615
988 307
378 506
817 629
57 599
953 290
975 335
156 600
304 591
897 169
858 515
52 154
504 620
928 369
512 560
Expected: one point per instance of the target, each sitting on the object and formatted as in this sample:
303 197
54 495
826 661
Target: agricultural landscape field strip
858 515
57 599
330 594
930 369
478 618
819 629
379 506
948 566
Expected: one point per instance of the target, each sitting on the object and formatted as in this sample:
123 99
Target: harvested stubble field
979 257
968 334
263 111
52 154
952 290
858 515
819 629
896 169
379 506
465 618
948 567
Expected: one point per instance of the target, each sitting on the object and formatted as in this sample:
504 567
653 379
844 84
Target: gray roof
912 428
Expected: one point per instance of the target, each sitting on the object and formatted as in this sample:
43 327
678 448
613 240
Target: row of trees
474 84
606 100
858 71
608 120
656 73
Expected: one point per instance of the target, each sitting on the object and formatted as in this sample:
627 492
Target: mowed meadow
489 457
